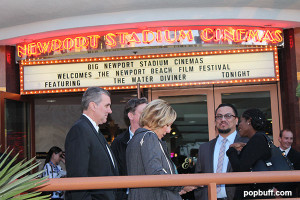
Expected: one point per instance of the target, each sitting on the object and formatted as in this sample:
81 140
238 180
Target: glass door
195 123
16 123
264 97
193 126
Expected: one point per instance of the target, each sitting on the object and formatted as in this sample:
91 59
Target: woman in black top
244 156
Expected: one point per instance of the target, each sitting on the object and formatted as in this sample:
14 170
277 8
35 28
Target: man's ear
92 106
236 121
279 139
130 115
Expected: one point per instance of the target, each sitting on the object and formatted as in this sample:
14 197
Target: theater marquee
163 70
155 37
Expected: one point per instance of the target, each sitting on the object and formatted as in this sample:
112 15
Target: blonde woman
147 154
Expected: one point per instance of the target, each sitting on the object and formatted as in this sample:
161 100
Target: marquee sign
141 38
161 70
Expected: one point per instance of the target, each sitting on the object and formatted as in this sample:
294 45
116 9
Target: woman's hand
238 145
187 189
62 158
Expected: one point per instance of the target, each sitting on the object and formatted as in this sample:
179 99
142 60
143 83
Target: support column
9 71
288 83
2 69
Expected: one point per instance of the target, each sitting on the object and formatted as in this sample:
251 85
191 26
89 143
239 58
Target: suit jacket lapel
103 143
95 133
211 153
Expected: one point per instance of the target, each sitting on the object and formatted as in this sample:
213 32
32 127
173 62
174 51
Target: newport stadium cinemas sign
162 70
172 37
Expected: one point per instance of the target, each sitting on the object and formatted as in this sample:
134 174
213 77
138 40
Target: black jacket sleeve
257 148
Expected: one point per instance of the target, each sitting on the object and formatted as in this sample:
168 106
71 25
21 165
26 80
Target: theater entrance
17 124
195 123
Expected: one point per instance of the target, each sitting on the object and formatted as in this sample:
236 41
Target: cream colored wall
52 123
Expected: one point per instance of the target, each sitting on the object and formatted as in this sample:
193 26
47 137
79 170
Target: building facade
194 56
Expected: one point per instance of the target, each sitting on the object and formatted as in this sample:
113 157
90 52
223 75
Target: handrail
210 179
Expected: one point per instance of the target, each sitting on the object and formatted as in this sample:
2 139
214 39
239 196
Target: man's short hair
92 94
281 132
227 105
131 106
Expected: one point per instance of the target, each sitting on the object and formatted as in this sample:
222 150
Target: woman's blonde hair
157 114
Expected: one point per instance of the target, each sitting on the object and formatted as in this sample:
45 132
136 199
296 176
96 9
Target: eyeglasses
226 116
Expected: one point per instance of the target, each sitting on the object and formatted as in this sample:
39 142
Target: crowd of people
141 150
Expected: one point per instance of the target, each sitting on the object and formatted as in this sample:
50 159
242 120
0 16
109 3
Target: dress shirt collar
93 122
130 133
285 151
230 138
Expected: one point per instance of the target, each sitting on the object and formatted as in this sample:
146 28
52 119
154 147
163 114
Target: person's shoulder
47 166
81 130
145 135
207 144
82 120
81 123
212 141
59 167
294 152
121 137
260 135
239 138
141 132
260 139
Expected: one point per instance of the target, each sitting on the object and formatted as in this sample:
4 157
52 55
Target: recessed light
50 100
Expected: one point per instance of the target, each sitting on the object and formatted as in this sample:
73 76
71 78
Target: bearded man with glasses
212 157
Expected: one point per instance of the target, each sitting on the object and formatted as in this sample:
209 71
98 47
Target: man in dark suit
87 152
211 157
286 140
133 109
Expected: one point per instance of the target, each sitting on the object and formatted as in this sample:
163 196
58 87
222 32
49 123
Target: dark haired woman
252 125
53 170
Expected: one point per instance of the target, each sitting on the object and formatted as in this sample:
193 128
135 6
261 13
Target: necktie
220 160
283 153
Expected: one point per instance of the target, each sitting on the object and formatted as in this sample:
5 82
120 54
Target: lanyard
56 170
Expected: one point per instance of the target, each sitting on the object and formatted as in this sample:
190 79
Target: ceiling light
50 100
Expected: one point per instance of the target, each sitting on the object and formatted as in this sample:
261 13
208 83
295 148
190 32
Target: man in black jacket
87 151
132 112
286 140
